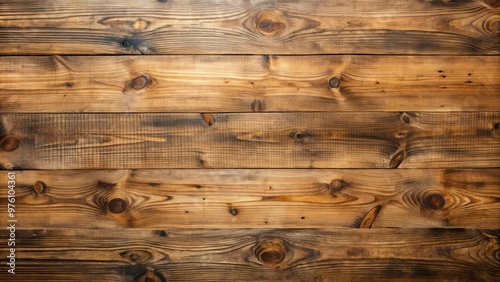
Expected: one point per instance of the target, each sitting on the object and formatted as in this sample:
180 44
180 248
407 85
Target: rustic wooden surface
258 255
249 27
251 140
359 140
238 198
248 83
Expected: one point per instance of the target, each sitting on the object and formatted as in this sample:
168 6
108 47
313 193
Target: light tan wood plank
248 83
251 140
260 198
249 27
257 255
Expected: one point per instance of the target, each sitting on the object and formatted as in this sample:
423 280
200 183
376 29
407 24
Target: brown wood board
251 140
248 83
250 27
257 255
259 198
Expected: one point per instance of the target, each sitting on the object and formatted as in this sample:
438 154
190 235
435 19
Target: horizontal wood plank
248 83
256 255
262 198
251 140
249 27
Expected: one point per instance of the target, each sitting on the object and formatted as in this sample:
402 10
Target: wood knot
297 135
140 82
117 205
136 256
337 185
496 127
405 118
127 43
151 276
493 25
233 211
397 159
334 82
209 119
271 24
434 201
10 143
39 187
163 233
271 252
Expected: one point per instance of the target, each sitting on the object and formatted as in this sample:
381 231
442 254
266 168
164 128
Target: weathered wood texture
248 83
257 255
249 27
251 140
194 198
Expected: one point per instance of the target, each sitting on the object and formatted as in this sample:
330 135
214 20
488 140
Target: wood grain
249 27
251 140
248 83
262 198
256 255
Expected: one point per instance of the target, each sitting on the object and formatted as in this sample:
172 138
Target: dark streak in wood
105 185
397 159
370 217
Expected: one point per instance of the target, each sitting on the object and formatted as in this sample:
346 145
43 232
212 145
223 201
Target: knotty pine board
248 83
251 140
258 198
257 255
250 27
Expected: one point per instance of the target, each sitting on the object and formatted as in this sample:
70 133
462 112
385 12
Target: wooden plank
249 27
248 83
251 140
262 198
257 255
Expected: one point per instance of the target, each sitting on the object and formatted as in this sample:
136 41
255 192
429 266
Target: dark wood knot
233 211
496 127
337 185
434 201
10 143
334 82
209 119
405 118
140 82
136 256
151 276
271 24
297 135
117 205
39 187
493 25
127 43
271 252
